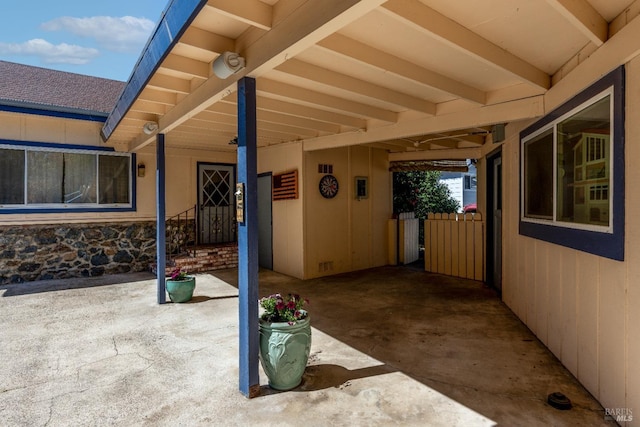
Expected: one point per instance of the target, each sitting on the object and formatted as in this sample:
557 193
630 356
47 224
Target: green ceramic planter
181 290
284 352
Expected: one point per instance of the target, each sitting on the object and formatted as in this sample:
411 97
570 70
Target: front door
216 203
494 221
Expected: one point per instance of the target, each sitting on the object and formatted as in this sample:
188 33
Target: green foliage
278 308
178 274
422 193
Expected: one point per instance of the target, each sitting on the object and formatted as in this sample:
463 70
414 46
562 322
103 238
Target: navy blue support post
248 238
161 244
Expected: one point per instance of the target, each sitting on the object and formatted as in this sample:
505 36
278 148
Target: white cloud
49 53
124 34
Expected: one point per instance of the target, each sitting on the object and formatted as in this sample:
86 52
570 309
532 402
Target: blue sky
102 38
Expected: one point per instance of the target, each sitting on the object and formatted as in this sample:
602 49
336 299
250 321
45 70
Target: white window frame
55 207
553 125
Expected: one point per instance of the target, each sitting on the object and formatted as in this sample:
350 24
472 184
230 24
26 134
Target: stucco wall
344 233
585 308
287 219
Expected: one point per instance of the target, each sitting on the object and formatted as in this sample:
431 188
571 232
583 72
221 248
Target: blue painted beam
248 238
174 21
161 209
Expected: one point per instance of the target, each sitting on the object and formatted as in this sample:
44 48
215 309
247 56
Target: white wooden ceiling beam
387 145
187 66
475 138
206 40
158 96
215 117
296 132
212 119
224 108
427 20
192 126
358 86
521 109
277 136
365 54
307 24
228 109
145 106
440 144
442 154
137 118
167 83
302 111
304 27
298 122
252 12
584 17
619 49
182 138
329 102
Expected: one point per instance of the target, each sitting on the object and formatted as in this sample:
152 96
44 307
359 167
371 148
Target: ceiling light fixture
226 64
150 127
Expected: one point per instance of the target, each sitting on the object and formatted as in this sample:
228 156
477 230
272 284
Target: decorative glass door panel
216 204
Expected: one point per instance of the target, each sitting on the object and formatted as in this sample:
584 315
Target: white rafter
384 61
355 85
413 12
584 17
252 12
304 27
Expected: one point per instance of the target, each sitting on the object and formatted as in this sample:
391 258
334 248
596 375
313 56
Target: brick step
204 259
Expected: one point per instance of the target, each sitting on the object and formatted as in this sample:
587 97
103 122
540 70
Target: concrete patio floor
391 346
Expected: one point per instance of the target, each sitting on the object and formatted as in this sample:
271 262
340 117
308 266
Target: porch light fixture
150 127
141 170
226 64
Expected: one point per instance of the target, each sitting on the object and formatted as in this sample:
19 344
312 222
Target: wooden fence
404 243
454 245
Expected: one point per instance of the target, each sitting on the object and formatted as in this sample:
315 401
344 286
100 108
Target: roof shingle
52 88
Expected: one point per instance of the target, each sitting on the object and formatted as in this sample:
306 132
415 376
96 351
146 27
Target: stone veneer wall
41 252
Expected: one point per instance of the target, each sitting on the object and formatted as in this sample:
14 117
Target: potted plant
180 286
285 339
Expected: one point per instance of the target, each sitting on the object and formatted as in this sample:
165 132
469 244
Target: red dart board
328 186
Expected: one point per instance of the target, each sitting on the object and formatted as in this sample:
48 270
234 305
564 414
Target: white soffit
528 29
366 72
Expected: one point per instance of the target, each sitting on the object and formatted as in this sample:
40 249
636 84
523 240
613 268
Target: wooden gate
454 245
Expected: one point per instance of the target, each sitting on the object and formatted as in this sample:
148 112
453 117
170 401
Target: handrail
181 234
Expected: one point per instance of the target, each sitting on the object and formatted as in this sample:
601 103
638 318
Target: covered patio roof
423 79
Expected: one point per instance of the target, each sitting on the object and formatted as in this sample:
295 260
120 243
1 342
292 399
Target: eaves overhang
22 107
174 21
432 86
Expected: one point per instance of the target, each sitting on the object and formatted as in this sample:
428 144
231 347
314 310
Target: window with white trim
470 182
566 168
46 177
572 172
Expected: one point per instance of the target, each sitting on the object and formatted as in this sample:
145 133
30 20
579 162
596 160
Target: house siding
287 218
81 244
580 305
344 234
